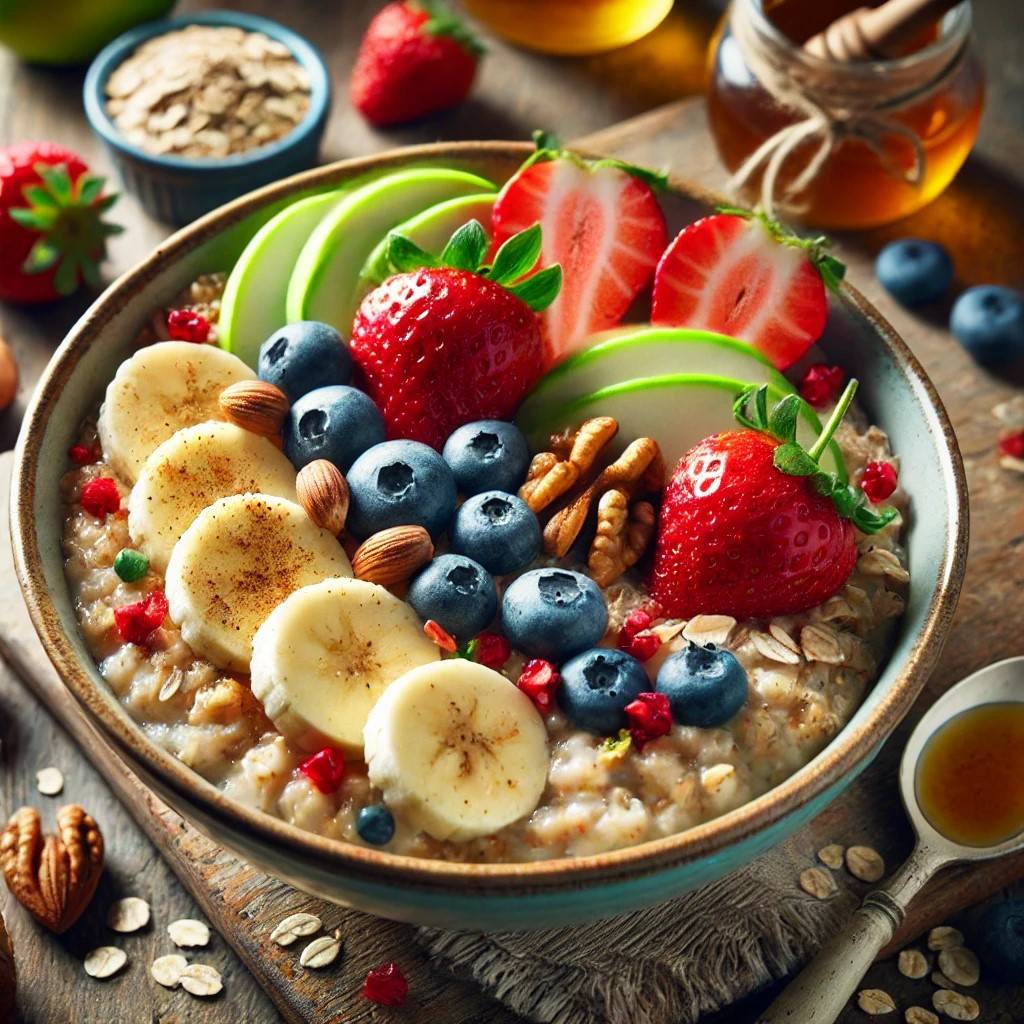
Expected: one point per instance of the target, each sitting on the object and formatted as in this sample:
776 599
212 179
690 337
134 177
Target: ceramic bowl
179 189
894 390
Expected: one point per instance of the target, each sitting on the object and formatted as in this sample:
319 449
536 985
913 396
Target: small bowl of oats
197 110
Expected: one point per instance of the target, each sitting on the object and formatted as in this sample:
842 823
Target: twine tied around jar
835 105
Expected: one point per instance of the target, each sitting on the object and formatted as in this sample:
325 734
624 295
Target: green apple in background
70 31
677 410
622 354
325 282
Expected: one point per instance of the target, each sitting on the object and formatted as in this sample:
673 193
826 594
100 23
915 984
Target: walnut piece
552 474
622 536
52 876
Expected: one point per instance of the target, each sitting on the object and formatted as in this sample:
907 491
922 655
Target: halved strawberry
601 221
743 275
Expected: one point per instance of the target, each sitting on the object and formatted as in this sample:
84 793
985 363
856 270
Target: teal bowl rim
300 849
115 53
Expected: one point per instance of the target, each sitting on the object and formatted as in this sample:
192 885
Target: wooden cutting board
242 904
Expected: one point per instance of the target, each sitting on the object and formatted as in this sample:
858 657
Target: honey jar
839 145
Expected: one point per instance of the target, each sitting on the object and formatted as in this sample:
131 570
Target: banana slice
159 390
191 470
236 563
457 750
327 653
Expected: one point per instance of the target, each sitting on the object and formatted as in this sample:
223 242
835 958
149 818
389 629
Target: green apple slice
620 355
324 284
253 306
430 230
677 410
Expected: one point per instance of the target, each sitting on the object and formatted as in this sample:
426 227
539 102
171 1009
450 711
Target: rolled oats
865 863
709 629
783 637
919 1015
945 937
939 980
49 781
820 642
875 1001
770 648
818 883
167 970
912 963
188 933
831 856
295 926
322 951
960 965
201 980
882 562
104 961
955 1005
128 915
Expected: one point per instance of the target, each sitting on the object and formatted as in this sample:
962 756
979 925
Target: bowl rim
848 750
115 52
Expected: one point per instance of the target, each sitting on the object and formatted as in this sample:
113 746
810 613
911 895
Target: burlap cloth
667 964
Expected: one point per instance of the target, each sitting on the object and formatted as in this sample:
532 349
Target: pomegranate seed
878 480
1013 445
492 650
386 985
539 680
821 384
81 454
136 622
649 717
636 622
100 496
187 325
643 646
440 636
325 769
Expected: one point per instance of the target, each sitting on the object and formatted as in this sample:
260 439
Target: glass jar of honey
839 145
570 27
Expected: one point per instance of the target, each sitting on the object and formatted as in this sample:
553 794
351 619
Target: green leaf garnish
517 256
42 256
467 650
442 22
782 422
793 460
549 147
466 248
539 291
404 255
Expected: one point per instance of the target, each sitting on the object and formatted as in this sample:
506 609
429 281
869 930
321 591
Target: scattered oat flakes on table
817 883
104 961
865 863
940 980
960 965
875 1001
49 781
167 970
187 933
912 963
955 1005
128 915
295 926
322 951
919 1015
945 937
201 980
831 856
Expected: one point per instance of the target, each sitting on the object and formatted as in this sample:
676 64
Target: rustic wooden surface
980 218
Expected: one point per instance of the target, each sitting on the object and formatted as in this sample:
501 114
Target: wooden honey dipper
872 33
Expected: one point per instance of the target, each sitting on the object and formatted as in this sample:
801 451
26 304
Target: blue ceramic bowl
179 189
894 391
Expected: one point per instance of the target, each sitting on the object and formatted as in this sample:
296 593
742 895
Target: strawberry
601 222
415 59
52 233
446 341
744 275
751 527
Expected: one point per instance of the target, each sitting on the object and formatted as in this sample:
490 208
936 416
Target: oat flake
783 637
960 965
295 926
912 963
49 781
831 856
104 961
187 933
919 1015
201 980
167 970
768 647
709 629
939 980
945 937
875 1001
128 915
821 643
865 863
817 883
322 951
955 1005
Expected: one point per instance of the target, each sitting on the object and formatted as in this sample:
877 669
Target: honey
894 132
970 778
570 26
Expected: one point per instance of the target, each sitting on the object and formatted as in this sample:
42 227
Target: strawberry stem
845 399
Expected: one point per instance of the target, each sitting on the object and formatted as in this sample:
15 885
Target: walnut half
52 876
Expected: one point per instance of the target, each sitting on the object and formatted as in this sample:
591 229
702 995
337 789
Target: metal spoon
818 994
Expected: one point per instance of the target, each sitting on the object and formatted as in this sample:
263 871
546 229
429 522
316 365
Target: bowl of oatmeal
272 676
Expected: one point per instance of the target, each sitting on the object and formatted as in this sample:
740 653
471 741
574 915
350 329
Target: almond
53 877
323 493
255 405
393 555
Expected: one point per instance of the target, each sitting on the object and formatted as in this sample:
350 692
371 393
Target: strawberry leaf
404 255
466 650
782 422
868 521
517 257
57 180
658 180
466 248
540 290
793 460
89 188
41 257
545 140
549 147
36 218
36 195
65 281
442 22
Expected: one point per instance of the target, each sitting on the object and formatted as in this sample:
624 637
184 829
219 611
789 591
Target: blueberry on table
1000 940
489 455
336 423
914 270
304 356
400 483
596 687
375 824
499 530
705 686
989 322
457 593
553 613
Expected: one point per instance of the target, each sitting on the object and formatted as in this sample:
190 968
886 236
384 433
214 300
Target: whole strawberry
52 233
415 59
446 341
751 527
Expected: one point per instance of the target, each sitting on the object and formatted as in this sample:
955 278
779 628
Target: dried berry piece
386 985
539 680
821 384
649 717
440 636
136 622
100 496
187 325
325 769
82 454
635 638
492 650
1012 445
878 480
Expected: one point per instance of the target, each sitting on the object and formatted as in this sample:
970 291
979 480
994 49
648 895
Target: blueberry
596 687
989 322
336 423
1000 940
705 686
914 270
457 593
553 613
498 530
375 824
489 455
400 483
302 357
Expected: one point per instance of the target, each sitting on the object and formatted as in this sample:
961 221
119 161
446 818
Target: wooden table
517 92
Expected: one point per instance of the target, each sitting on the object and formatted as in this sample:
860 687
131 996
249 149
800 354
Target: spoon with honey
962 783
